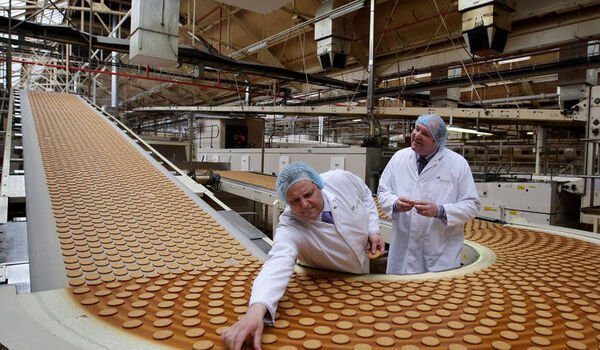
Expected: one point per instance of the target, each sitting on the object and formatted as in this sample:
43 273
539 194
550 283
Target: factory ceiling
224 50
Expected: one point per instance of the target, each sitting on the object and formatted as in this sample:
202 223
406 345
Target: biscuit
375 255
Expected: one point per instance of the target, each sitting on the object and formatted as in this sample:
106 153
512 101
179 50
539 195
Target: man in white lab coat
330 222
429 192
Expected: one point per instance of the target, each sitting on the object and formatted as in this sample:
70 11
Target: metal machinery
589 110
530 202
333 36
485 25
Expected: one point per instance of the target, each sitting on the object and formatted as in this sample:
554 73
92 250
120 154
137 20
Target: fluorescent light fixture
530 133
257 47
422 75
390 79
344 10
357 120
515 60
468 131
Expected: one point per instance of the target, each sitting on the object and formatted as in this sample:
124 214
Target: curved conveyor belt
146 266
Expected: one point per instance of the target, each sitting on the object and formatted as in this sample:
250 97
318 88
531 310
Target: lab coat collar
329 198
326 205
436 157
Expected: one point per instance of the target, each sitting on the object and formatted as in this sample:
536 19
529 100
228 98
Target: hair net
293 173
435 124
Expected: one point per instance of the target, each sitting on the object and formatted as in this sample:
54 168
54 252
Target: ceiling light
357 120
422 75
530 133
468 131
515 60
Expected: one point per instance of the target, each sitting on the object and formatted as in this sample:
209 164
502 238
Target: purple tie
326 217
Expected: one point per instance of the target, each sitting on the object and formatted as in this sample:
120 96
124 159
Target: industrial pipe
137 77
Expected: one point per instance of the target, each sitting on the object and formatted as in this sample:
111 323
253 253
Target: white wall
354 158
207 129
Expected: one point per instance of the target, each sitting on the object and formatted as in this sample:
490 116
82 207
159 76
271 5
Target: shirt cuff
394 206
442 213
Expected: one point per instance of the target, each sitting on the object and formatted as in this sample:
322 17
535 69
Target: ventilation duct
155 32
333 35
485 25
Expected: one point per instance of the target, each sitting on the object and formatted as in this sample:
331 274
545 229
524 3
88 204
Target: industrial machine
551 202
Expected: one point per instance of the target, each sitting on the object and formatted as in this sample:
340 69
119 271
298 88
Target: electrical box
154 33
337 163
245 163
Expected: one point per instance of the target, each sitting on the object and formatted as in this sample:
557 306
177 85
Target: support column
321 120
445 98
539 147
573 84
374 127
114 82
9 52
192 137
94 90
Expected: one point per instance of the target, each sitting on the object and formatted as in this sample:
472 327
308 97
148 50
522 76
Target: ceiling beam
268 57
490 114
187 54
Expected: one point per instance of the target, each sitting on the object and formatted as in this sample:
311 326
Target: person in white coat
330 222
429 192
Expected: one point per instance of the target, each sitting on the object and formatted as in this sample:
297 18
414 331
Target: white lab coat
338 247
421 244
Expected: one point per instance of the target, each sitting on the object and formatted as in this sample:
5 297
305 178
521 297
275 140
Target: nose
303 203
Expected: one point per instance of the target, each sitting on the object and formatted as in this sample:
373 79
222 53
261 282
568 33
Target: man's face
305 199
422 141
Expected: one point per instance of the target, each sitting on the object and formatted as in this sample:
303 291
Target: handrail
6 162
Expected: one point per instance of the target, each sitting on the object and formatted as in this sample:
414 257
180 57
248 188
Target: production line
125 256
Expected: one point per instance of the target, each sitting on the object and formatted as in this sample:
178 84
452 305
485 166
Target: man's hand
403 204
250 325
376 244
428 209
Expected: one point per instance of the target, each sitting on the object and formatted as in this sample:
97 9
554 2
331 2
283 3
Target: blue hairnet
293 173
436 126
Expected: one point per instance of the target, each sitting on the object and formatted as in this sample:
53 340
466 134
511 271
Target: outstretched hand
250 325
376 243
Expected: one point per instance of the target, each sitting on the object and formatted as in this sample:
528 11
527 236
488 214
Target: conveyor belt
146 261
264 181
